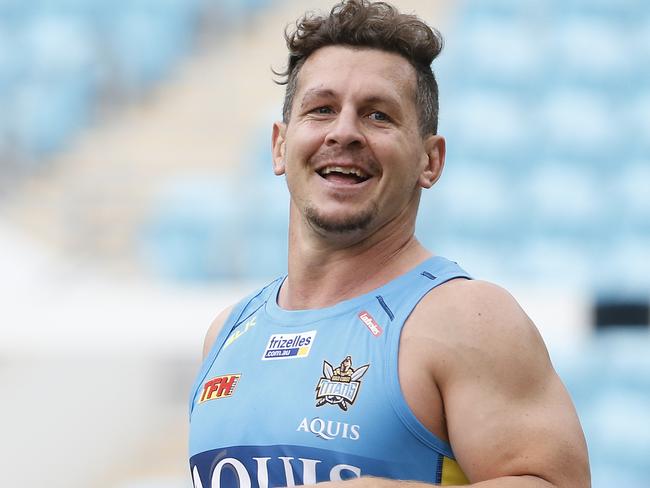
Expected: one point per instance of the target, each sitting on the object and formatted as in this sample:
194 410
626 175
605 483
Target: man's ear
435 148
277 144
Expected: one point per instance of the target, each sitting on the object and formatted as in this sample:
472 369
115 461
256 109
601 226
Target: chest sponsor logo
329 429
219 387
240 331
264 471
374 328
289 346
339 386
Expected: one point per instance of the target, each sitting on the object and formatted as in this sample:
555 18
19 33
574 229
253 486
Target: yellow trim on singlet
451 473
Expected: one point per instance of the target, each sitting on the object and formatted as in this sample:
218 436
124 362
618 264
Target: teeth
346 171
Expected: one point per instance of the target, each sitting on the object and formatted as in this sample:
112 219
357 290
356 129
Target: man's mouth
340 174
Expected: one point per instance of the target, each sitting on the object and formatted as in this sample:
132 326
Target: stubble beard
349 224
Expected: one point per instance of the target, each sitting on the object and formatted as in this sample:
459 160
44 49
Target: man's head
364 24
358 142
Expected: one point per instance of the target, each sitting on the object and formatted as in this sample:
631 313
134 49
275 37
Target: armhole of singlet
396 394
233 320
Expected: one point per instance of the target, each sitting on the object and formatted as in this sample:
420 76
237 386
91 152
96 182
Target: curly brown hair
367 24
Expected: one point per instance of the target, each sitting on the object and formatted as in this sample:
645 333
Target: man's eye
322 110
379 116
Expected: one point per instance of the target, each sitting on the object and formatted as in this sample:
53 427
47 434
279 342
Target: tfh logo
219 387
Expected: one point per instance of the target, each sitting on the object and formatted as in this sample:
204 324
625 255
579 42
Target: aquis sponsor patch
289 346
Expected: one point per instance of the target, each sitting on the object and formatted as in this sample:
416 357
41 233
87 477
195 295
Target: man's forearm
504 482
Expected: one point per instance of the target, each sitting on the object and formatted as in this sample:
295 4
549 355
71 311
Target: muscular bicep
213 331
507 411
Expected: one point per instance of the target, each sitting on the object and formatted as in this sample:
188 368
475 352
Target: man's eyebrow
316 93
374 99
328 93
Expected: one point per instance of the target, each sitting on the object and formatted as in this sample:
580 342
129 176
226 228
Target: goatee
341 226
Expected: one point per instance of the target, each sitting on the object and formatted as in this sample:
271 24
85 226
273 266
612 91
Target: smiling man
373 362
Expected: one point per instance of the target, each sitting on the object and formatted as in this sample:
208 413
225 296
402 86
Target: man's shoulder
465 298
473 329
472 314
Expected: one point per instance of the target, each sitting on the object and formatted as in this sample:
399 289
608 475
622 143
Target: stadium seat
46 114
619 11
498 54
577 125
265 238
552 97
509 10
609 382
490 125
562 198
638 124
12 64
195 231
146 42
59 46
594 53
93 47
632 192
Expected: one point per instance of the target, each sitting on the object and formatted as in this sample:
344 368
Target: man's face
352 151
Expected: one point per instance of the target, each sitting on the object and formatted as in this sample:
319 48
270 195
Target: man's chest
310 401
304 384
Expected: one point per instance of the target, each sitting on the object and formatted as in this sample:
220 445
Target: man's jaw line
350 225
360 230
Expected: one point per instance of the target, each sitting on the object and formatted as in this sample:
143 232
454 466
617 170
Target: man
374 363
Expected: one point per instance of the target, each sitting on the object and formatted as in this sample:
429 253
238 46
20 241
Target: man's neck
322 273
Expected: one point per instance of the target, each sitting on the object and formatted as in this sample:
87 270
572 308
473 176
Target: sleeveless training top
287 398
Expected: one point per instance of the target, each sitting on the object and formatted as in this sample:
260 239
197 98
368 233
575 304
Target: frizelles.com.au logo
289 346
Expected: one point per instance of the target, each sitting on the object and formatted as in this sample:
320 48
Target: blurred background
137 201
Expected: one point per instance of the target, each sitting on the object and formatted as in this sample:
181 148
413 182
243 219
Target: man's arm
510 420
508 413
371 482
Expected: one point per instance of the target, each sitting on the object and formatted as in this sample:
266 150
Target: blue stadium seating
594 53
545 113
148 38
544 105
609 380
266 233
47 114
195 231
638 122
486 124
551 100
616 11
80 50
208 228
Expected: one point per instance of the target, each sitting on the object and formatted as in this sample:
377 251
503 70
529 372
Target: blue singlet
287 398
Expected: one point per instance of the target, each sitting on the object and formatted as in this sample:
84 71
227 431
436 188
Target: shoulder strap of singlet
430 274
239 314
399 305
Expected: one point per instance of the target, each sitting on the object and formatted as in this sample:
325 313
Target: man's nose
346 130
